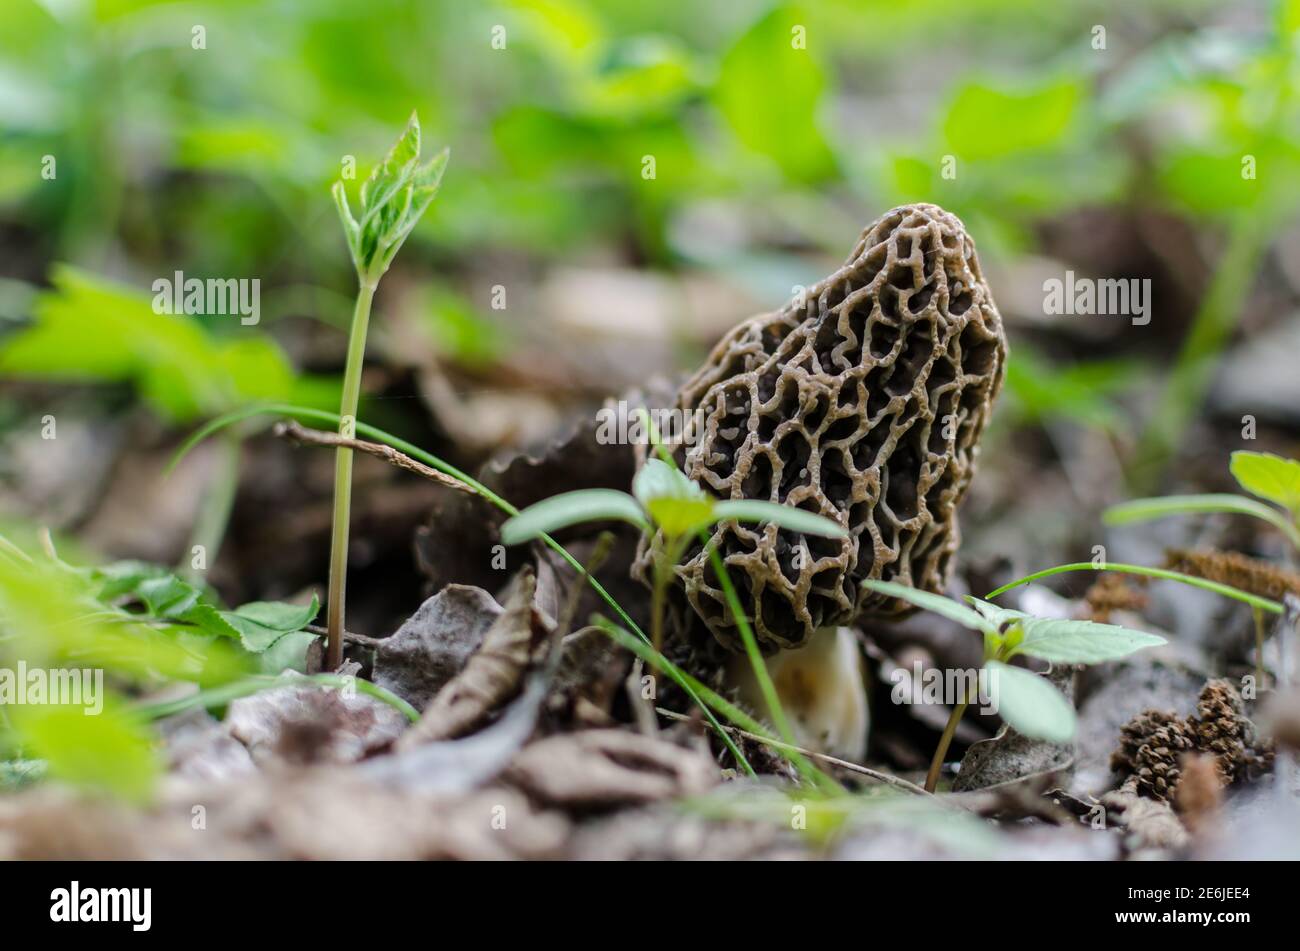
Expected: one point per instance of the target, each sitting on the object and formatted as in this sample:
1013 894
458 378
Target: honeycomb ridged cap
862 400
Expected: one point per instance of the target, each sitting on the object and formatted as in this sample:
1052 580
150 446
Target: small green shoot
393 199
663 498
1023 699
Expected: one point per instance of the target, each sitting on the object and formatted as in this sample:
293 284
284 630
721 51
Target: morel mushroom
862 400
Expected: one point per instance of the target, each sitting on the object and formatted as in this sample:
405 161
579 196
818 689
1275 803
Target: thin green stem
941 751
1226 590
343 478
415 452
247 686
765 685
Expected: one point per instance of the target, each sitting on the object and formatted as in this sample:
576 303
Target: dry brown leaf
491 676
607 767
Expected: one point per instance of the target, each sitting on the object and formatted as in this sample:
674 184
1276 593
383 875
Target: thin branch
296 432
834 761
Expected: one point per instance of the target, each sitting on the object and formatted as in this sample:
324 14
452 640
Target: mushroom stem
936 764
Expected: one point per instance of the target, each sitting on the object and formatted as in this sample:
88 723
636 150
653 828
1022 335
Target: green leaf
1064 641
769 91
572 508
784 516
678 516
89 329
261 624
388 177
393 199
108 751
1269 477
995 615
168 596
658 480
1141 510
288 652
1030 704
940 605
988 123
351 230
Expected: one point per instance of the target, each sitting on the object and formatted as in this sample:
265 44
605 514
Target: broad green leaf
109 751
288 652
168 595
1269 477
92 330
1030 704
1064 641
987 123
784 516
572 508
932 602
261 624
769 90
1141 510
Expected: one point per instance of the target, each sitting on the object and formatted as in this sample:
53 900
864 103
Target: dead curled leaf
435 643
491 675
608 767
1012 757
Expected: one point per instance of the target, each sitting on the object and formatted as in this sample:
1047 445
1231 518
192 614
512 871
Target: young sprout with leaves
1023 699
663 498
393 199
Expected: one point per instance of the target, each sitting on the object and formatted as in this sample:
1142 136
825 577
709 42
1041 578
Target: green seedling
1026 701
392 201
1263 475
663 499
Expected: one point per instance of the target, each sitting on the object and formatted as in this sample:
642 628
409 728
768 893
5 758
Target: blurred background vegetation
628 180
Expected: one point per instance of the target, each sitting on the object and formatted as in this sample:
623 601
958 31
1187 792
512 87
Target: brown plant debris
491 675
607 767
1154 743
1233 568
863 400
1200 792
1109 593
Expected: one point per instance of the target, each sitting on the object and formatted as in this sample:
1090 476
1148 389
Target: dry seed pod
862 400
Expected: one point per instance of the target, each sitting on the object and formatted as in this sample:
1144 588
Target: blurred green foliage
143 137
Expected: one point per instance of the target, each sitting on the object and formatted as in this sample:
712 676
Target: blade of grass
1141 510
1226 590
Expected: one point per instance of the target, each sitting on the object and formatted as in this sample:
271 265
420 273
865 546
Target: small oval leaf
571 508
1030 704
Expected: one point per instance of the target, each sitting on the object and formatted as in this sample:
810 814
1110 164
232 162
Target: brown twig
834 761
295 431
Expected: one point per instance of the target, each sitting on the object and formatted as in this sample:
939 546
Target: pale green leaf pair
664 497
1025 700
393 199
